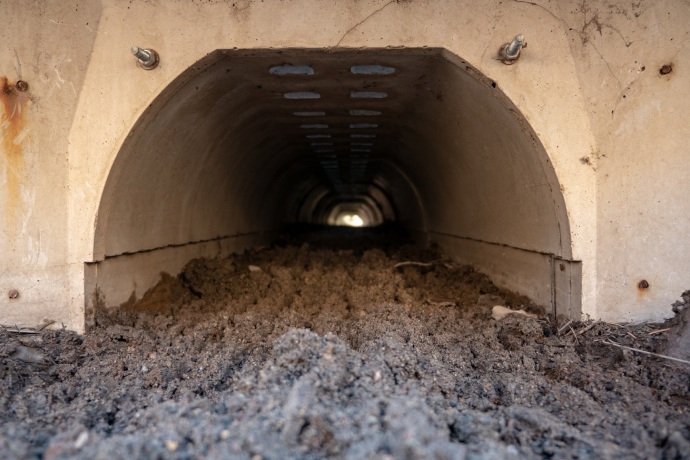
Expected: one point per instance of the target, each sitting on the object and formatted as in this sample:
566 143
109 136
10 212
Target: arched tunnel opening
247 142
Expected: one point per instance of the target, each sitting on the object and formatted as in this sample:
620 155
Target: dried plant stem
645 352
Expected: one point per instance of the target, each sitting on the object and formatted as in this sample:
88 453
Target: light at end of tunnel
349 219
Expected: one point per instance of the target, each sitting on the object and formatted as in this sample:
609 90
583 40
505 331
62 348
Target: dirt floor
326 349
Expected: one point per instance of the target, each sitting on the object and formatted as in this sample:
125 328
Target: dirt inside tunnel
320 346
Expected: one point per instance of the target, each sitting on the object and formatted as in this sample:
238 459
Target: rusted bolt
147 58
510 52
562 267
666 69
644 284
21 85
13 294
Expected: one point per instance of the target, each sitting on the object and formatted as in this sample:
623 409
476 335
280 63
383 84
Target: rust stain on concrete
13 131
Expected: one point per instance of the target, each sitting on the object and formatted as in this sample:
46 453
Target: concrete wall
49 45
588 87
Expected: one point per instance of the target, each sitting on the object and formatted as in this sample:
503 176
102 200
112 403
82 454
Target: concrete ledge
530 273
111 282
34 300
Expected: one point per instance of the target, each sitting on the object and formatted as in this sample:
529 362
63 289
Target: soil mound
305 351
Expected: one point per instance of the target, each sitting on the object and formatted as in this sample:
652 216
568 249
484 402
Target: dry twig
48 323
585 329
412 263
17 330
645 352
26 330
441 304
579 331
659 331
563 328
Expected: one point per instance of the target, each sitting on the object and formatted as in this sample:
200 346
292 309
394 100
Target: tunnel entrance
247 141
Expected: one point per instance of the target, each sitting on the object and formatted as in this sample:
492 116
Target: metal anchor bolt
510 52
147 58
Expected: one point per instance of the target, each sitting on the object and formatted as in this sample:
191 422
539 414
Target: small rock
30 355
254 268
528 363
171 445
499 312
81 439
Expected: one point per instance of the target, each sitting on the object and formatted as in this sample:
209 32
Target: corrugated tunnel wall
247 141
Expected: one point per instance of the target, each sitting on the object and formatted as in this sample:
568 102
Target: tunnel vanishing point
559 169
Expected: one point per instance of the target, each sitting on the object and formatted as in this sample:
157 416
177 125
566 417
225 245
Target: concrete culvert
266 229
246 142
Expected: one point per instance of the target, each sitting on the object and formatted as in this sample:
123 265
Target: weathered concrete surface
49 45
613 133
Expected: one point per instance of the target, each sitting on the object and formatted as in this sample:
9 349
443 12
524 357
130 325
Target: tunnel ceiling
246 141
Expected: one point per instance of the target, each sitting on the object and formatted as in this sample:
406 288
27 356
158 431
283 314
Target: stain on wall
14 99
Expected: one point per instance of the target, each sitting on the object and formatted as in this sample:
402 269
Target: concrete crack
600 27
18 65
362 22
681 48
626 42
607 66
620 96
582 32
493 34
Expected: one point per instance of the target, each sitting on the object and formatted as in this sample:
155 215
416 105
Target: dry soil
320 347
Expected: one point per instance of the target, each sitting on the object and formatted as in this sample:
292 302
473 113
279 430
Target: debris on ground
328 352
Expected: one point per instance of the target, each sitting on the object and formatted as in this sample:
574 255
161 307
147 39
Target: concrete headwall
588 87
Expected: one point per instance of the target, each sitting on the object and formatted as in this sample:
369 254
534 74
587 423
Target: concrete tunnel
247 141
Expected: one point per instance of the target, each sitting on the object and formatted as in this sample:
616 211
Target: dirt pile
308 352
679 343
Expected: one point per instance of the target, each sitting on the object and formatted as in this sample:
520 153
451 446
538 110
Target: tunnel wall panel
124 279
489 178
509 268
